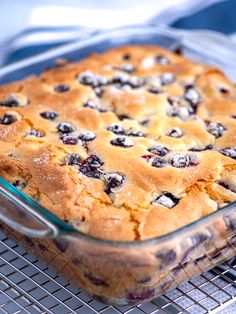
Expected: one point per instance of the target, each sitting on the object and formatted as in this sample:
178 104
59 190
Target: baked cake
129 144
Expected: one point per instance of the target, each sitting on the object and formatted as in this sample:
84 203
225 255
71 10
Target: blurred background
30 27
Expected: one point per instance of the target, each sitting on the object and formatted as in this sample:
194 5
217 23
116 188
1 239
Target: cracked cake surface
129 144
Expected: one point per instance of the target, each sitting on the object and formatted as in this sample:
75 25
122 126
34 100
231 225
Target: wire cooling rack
27 285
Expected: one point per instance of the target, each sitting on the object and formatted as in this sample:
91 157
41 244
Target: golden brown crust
135 193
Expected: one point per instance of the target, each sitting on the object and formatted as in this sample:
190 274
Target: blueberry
216 129
20 184
70 140
95 280
90 104
175 132
178 50
122 141
193 97
198 149
91 79
136 82
159 150
154 90
49 115
116 128
98 91
36 133
11 101
8 119
73 159
167 199
180 112
114 181
167 78
90 166
62 88
162 60
223 90
135 133
65 127
126 56
129 68
87 136
158 162
173 100
181 161
229 152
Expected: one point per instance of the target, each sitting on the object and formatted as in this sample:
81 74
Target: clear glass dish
123 272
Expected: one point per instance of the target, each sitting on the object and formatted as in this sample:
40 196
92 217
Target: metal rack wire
27 285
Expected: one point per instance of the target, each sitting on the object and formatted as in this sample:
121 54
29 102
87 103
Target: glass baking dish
112 271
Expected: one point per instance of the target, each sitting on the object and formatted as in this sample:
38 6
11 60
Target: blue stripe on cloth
219 17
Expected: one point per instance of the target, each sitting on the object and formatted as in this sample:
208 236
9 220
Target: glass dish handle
24 214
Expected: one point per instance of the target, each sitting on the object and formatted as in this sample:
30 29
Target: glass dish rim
67 229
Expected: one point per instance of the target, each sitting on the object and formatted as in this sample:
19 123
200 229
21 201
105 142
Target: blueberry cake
128 145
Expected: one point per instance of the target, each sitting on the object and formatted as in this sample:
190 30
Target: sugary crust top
129 144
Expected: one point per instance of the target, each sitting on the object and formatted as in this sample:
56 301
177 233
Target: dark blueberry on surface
192 96
216 129
135 133
11 101
198 149
137 296
175 132
229 152
61 244
223 90
95 280
126 56
180 112
49 115
87 136
182 161
98 91
166 256
73 159
159 150
136 82
114 181
65 127
167 78
8 119
122 141
94 162
233 116
145 122
162 60
116 128
70 140
178 50
158 162
90 166
90 104
123 117
167 199
62 88
36 133
121 78
154 90
20 184
173 100
91 79
129 68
